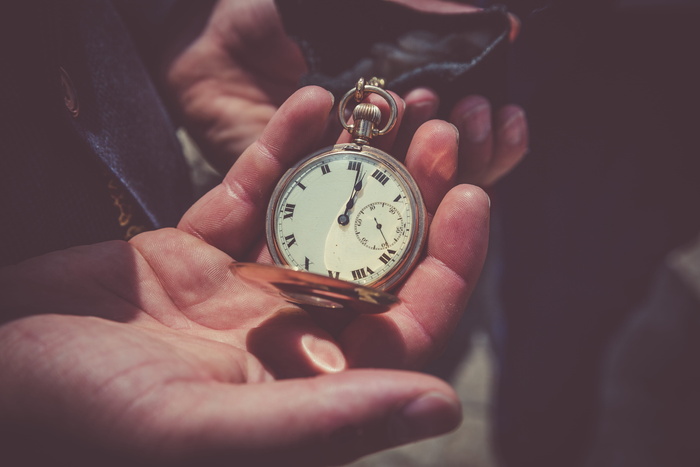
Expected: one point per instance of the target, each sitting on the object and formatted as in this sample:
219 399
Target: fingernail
513 130
456 130
421 105
323 354
476 122
421 111
429 414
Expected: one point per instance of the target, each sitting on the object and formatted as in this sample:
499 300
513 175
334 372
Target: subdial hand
379 227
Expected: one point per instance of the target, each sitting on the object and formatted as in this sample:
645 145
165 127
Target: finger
510 143
326 420
421 105
432 160
434 295
161 413
291 345
472 116
230 217
515 26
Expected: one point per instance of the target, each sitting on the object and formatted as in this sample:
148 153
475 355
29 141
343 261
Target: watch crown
366 117
365 111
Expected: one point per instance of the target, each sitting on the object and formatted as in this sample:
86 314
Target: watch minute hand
344 218
355 189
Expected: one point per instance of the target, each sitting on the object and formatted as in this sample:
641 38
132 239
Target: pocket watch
347 222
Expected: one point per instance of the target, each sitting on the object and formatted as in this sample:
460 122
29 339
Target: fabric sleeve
456 54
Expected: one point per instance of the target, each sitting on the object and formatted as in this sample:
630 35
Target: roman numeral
398 198
354 165
333 274
290 240
385 258
300 185
307 263
325 169
289 211
359 274
380 176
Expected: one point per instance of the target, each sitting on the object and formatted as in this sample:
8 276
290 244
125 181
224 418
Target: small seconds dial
379 225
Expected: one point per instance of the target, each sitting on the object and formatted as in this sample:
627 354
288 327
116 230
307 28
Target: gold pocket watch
346 223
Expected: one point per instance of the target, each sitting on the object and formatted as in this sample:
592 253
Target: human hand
153 352
492 140
230 80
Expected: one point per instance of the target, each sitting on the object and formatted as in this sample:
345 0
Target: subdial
379 225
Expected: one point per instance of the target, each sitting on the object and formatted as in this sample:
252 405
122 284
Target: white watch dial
352 215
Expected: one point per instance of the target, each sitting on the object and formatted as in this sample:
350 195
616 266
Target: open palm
153 351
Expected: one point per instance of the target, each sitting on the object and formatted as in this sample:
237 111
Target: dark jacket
87 149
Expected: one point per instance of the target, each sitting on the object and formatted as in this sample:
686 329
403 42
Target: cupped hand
153 352
492 140
416 326
230 80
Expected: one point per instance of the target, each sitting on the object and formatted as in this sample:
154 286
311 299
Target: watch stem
366 117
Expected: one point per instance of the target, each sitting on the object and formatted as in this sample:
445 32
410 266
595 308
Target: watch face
351 213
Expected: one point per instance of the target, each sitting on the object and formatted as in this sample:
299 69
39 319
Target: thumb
328 419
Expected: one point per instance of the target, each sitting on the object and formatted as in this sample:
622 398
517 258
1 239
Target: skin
230 79
151 352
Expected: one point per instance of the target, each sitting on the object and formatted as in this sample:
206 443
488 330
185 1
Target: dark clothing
608 189
649 394
88 151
